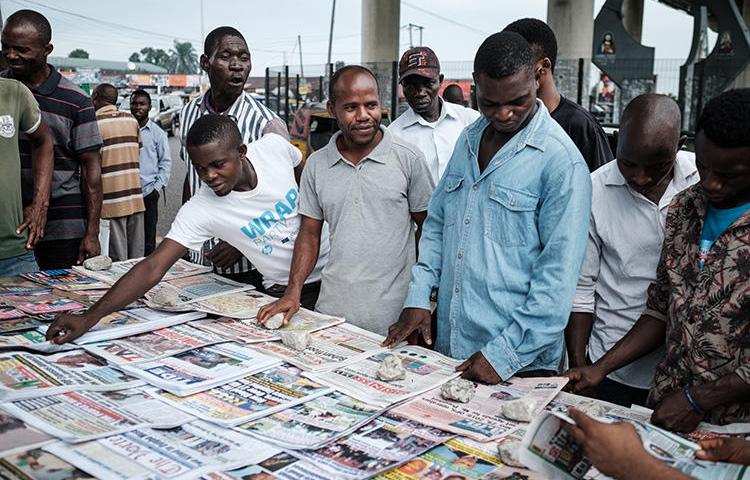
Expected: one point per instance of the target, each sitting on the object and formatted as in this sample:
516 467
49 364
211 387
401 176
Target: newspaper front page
249 331
64 279
197 287
314 423
31 340
250 397
201 368
384 443
36 464
181 269
330 348
234 305
149 346
82 416
28 375
281 466
16 436
19 324
182 453
481 419
425 370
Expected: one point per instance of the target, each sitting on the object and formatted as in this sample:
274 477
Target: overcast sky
453 28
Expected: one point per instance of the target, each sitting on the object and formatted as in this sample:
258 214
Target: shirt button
466 221
460 255
456 290
475 187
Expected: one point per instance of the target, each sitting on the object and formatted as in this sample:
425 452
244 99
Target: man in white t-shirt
249 200
429 123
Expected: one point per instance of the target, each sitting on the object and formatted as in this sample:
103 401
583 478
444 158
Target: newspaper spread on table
149 346
481 418
250 397
83 416
180 453
20 324
28 375
385 443
16 436
31 340
249 331
330 348
281 466
425 370
41 304
201 368
36 464
314 423
234 305
195 288
181 268
65 279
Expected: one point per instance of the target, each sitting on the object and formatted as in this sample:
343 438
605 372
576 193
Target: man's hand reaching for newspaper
288 305
617 451
583 380
478 369
67 327
411 320
731 450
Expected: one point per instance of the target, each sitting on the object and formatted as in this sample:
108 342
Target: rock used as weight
459 390
391 369
508 453
100 262
166 296
296 340
520 410
275 322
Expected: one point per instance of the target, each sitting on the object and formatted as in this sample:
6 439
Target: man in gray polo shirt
371 188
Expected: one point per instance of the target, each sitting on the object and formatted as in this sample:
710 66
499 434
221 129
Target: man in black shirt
582 127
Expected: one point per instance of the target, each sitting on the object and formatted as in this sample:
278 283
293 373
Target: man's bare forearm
646 336
92 187
577 337
724 390
42 164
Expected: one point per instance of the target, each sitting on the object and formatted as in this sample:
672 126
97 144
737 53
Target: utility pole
301 69
203 37
416 27
330 33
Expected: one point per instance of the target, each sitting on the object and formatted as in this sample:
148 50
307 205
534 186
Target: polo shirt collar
48 86
379 154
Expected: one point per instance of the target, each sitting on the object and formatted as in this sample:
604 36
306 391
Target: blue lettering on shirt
282 209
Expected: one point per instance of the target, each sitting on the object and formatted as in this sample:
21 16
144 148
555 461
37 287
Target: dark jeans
621 394
56 254
308 299
253 277
536 373
150 218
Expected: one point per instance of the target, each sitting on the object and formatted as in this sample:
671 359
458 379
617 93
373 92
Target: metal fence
289 87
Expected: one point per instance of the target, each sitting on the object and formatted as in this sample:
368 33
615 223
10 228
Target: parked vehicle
165 111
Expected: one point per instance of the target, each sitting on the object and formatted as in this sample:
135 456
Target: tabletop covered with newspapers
200 390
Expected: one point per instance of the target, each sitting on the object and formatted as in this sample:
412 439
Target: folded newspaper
282 466
28 375
201 368
19 324
330 348
36 464
82 416
149 346
249 331
16 436
481 418
181 453
181 269
425 370
31 340
314 423
250 397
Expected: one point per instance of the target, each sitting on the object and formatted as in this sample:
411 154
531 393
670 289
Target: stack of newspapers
200 390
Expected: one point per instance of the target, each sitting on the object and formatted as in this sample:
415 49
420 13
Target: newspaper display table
203 391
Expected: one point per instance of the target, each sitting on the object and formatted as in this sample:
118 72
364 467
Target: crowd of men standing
544 255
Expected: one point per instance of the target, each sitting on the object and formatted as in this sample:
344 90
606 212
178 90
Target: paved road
174 190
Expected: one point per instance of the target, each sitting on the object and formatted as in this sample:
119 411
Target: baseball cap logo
417 60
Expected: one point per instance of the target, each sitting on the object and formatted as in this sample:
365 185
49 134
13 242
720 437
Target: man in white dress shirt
630 199
430 123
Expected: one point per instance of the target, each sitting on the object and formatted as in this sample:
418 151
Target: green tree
78 53
134 57
156 56
184 58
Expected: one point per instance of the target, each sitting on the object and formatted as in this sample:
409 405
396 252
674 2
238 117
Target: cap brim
422 72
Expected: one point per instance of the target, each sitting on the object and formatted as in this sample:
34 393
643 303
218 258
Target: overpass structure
613 43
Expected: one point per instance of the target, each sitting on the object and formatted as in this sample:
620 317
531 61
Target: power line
445 19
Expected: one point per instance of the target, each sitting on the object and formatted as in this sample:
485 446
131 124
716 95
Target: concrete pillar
632 12
743 79
573 24
380 30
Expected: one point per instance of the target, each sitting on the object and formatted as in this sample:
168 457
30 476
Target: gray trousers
126 237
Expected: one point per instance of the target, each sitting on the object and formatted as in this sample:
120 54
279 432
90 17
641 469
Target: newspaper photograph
31 340
234 305
180 453
181 268
36 464
250 397
201 368
16 436
148 346
20 324
330 348
451 460
45 303
76 417
249 331
132 322
198 287
425 370
27 375
11 313
65 279
281 466
384 443
314 423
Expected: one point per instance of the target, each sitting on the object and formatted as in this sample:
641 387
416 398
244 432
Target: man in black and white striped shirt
226 60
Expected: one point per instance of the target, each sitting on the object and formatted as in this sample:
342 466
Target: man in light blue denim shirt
506 229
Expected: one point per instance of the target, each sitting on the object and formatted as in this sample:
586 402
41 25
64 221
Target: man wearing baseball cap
430 123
